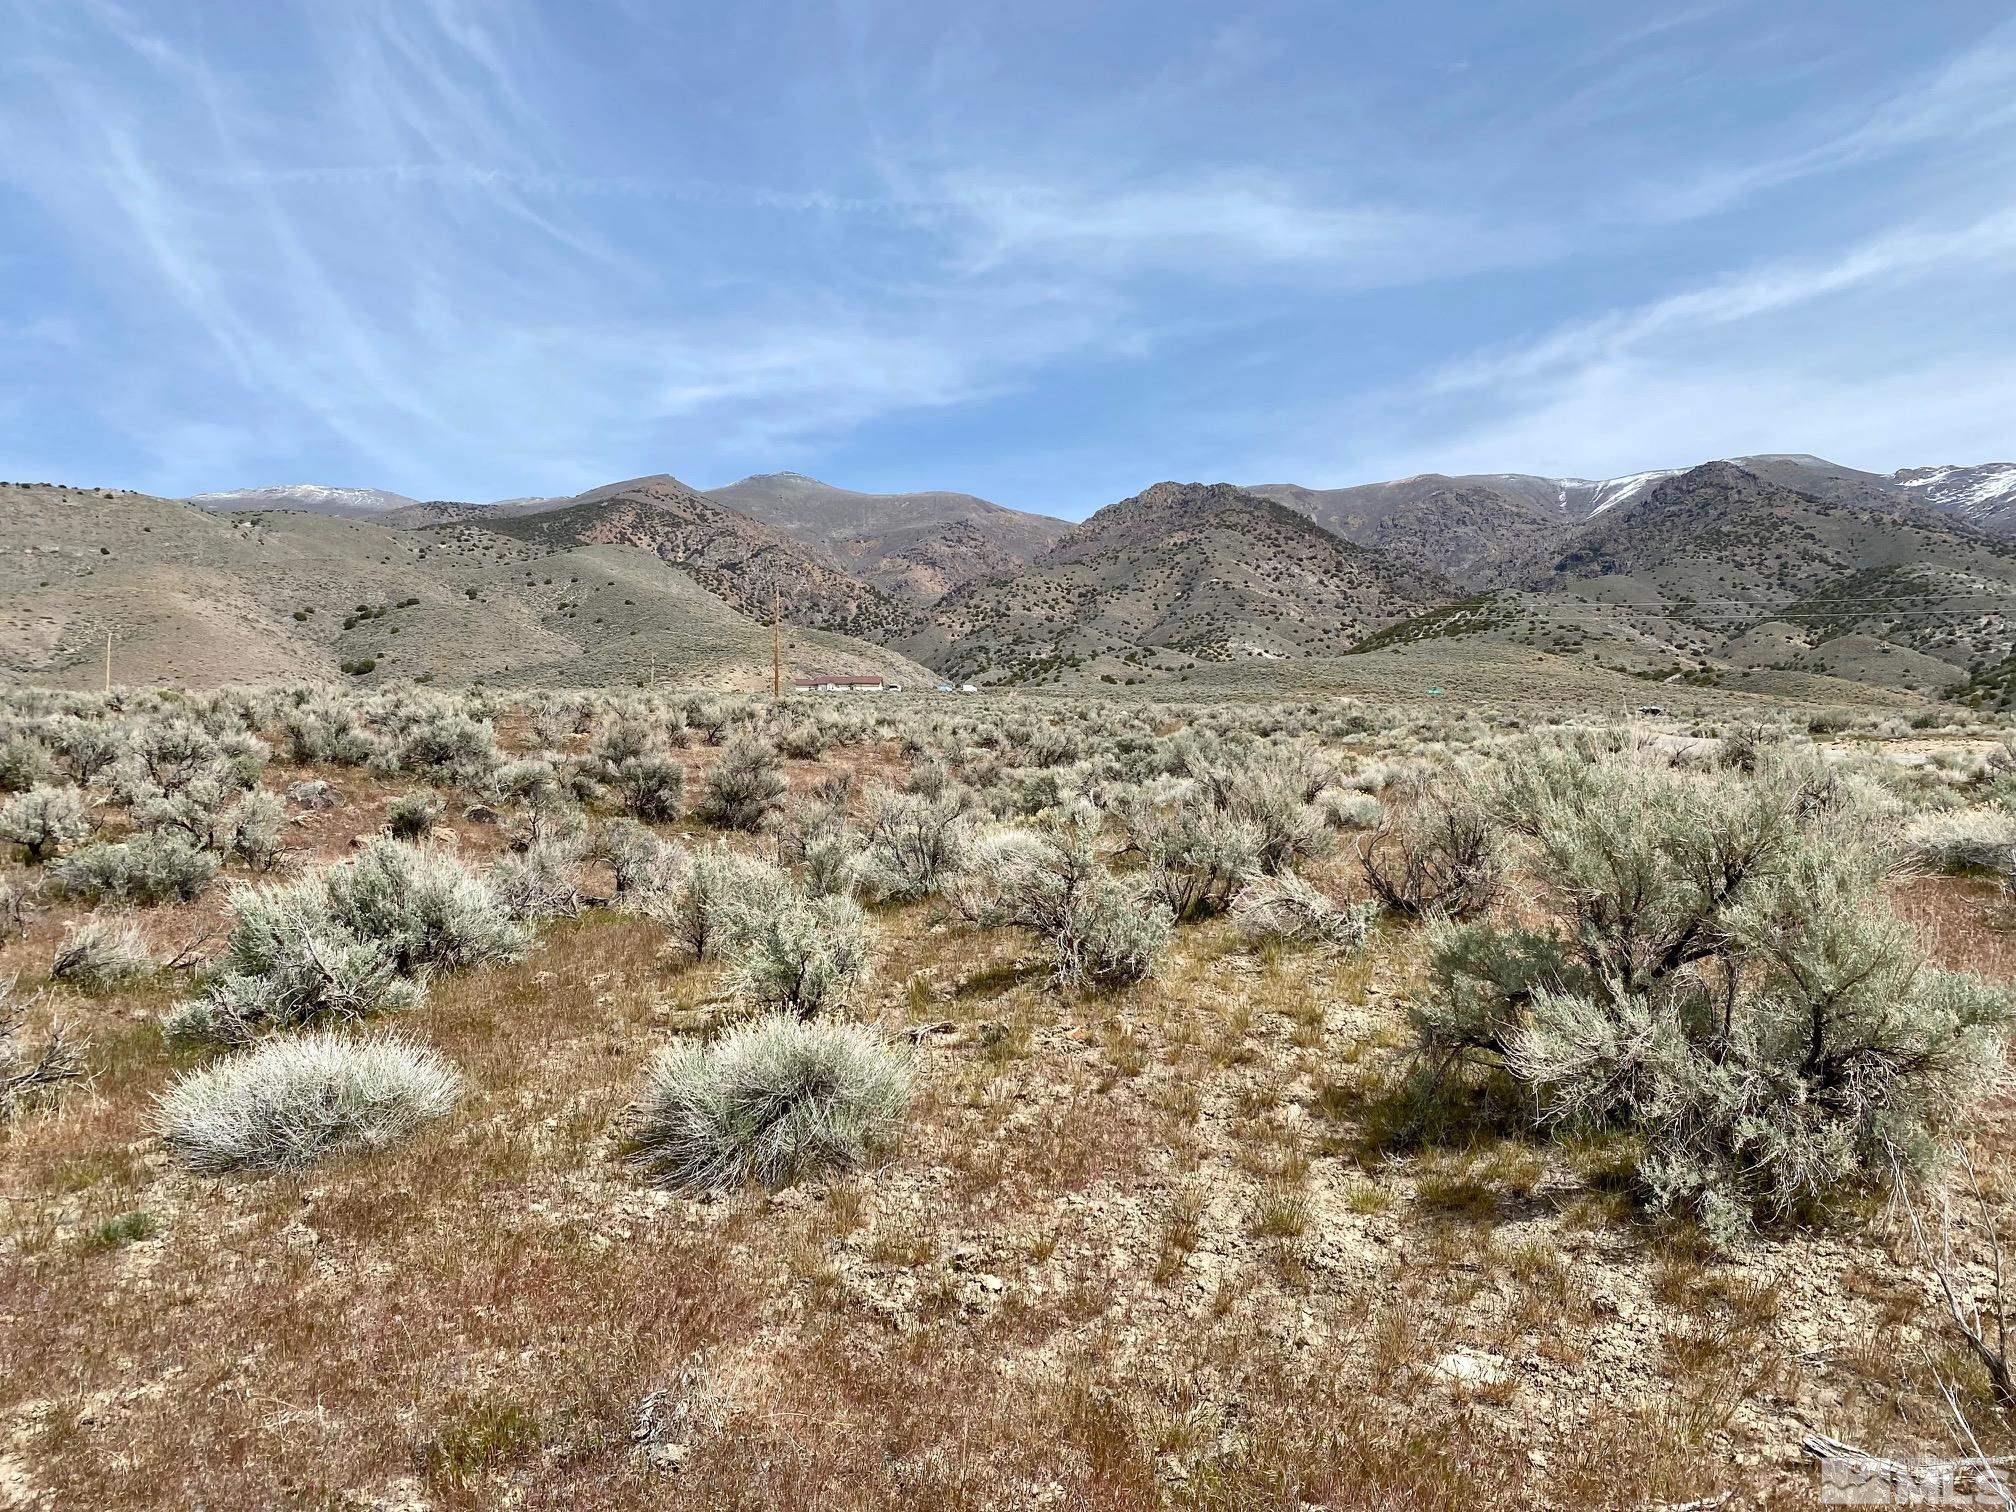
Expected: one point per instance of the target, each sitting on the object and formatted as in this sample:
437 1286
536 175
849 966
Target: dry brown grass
1144 1248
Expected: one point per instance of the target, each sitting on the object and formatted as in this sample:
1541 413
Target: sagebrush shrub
155 866
913 843
1722 974
289 1102
1441 854
24 764
195 810
816 837
528 781
87 746
1288 908
1275 797
43 820
638 859
354 940
803 741
328 734
1051 882
624 741
1964 840
540 882
720 895
412 816
743 788
430 911
802 956
98 956
251 829
651 787
450 749
773 1102
30 1073
1343 809
287 961
175 752
1112 935
1199 857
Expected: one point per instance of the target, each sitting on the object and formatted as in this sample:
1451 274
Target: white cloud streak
1898 257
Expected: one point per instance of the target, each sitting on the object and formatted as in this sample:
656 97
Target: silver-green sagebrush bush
651 787
431 912
44 820
154 866
1440 855
1723 975
287 961
29 1073
803 956
450 749
251 829
719 895
412 816
640 862
289 1102
915 843
1964 840
99 956
816 838
1199 857
774 1102
743 788
24 764
87 747
354 940
1287 908
1051 883
540 882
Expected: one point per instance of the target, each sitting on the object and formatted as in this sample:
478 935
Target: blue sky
1048 253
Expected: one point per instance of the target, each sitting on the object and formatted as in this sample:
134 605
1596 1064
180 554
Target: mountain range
1780 564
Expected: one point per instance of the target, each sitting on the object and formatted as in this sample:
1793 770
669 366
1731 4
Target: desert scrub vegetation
913 843
773 1102
44 820
31 1071
1051 882
1288 908
543 881
1722 976
154 866
743 789
100 956
356 939
1964 840
412 816
1198 1226
1438 854
803 956
289 1102
709 901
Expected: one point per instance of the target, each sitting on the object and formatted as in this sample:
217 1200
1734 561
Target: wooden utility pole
776 648
108 661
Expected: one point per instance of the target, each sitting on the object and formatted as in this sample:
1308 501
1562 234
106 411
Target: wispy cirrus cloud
1220 223
1895 258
